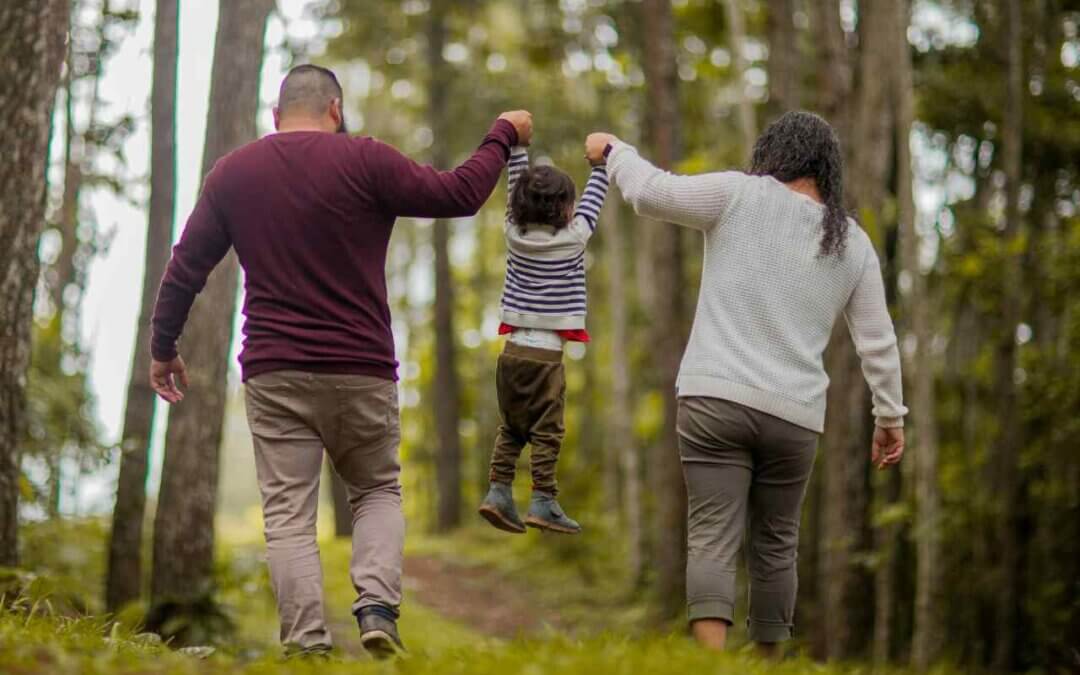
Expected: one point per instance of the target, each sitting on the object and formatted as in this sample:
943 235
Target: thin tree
1007 447
667 313
184 524
929 627
621 436
736 24
785 73
31 55
447 386
124 580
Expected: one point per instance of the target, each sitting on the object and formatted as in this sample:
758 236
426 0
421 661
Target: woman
782 262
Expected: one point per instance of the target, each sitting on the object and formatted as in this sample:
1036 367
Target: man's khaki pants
293 416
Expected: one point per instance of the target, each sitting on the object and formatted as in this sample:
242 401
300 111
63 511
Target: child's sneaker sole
492 515
380 645
540 524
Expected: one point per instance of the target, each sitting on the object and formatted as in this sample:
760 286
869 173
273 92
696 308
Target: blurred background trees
960 124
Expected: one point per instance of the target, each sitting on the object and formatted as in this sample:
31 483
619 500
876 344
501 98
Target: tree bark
662 120
737 33
929 628
31 55
184 525
621 436
123 583
785 75
1007 450
447 387
864 128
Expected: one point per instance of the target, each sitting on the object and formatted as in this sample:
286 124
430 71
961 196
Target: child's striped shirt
545 267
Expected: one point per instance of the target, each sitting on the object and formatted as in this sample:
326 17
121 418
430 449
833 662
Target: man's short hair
308 90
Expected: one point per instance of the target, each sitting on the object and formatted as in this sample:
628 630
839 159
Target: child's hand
595 144
522 121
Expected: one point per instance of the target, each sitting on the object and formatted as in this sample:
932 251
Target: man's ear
277 118
337 114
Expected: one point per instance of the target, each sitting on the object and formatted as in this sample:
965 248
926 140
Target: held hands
163 381
595 144
522 121
887 447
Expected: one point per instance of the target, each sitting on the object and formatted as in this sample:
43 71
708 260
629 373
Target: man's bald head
309 92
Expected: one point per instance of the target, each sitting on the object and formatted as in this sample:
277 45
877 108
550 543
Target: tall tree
621 434
1010 435
447 386
918 311
184 525
124 579
667 313
785 74
737 34
31 55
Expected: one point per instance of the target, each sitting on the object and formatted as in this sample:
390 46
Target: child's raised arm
592 199
515 166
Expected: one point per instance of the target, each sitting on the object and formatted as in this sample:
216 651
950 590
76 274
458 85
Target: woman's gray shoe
499 510
379 636
546 514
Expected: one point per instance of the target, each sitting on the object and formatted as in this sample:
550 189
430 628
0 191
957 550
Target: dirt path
476 596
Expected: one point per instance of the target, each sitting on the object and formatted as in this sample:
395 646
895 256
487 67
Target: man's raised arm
406 188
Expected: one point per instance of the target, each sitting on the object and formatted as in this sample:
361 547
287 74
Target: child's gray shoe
546 514
499 510
379 634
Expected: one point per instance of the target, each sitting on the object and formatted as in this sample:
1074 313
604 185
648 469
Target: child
543 306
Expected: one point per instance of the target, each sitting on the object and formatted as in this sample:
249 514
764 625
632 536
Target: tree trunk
31 55
184 525
621 435
123 583
447 388
1007 449
662 120
864 131
921 372
737 33
785 75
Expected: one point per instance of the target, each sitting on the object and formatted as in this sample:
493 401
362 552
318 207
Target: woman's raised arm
693 201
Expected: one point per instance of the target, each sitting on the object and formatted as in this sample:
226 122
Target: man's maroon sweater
310 216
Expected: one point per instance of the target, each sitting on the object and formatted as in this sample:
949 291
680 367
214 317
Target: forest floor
471 606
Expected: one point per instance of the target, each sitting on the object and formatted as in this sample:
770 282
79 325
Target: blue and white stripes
593 198
545 268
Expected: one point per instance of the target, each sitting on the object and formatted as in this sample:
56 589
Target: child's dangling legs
532 390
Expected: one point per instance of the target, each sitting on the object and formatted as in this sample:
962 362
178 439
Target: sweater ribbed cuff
889 422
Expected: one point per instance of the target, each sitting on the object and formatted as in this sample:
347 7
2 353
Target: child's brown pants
532 393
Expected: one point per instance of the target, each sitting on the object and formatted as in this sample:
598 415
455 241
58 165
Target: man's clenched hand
522 121
163 378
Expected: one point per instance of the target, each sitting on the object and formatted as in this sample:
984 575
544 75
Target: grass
54 624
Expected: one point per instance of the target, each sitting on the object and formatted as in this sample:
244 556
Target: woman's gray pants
744 469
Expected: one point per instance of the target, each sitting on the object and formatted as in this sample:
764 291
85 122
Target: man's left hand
163 378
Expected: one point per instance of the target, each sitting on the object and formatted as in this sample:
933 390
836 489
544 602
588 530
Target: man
309 212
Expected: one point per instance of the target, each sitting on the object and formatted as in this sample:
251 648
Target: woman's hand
595 144
887 447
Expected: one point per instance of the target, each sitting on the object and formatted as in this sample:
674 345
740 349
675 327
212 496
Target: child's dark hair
803 145
543 196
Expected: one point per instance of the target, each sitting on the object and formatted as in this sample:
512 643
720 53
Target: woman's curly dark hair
543 196
803 145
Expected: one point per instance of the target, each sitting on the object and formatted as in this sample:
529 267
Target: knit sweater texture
768 298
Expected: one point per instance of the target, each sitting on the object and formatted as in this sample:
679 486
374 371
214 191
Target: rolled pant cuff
711 609
762 631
